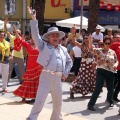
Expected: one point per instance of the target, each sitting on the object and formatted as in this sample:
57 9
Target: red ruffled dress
28 88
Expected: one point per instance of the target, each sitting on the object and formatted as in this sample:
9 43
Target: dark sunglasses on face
107 43
85 38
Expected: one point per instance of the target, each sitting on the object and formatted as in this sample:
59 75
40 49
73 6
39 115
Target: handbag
5 60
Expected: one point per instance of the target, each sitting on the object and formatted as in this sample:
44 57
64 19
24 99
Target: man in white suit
56 64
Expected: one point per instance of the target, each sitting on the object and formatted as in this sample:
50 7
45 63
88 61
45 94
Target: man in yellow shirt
17 55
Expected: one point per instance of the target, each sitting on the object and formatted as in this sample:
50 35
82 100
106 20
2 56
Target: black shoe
72 95
111 105
116 99
91 108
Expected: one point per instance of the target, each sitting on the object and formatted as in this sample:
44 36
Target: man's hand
115 67
6 21
33 15
73 30
63 78
14 28
10 58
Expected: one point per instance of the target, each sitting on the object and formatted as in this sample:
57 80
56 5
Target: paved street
77 107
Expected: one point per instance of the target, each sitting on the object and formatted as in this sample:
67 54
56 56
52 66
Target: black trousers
76 65
103 75
117 84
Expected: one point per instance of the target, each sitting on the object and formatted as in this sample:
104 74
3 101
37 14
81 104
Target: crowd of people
94 59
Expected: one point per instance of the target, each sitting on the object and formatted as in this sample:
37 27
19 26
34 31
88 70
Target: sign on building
10 7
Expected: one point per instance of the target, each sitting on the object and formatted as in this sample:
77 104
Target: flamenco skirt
84 83
28 88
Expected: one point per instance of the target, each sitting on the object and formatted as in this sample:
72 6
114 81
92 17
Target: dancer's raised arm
34 29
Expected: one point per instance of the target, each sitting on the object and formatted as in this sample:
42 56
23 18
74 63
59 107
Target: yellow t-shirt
75 36
18 54
4 49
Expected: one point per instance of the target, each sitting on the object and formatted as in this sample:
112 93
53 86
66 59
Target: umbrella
2 25
69 23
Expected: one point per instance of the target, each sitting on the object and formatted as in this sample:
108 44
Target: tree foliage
39 6
93 15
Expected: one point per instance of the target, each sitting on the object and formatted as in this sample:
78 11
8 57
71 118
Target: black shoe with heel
72 95
111 105
91 108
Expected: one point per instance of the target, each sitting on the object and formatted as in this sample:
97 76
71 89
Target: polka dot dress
84 83
85 80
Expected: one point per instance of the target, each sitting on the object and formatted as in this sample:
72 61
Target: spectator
109 33
82 33
97 36
75 54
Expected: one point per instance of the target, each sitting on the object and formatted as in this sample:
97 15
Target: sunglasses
107 43
85 38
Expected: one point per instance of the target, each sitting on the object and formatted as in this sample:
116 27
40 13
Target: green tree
39 6
93 15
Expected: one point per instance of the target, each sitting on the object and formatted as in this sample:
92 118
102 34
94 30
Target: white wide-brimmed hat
52 30
98 27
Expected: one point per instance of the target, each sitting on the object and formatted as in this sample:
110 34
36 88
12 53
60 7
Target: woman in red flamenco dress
28 88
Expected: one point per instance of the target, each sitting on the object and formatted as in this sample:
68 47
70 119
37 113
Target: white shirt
97 36
77 51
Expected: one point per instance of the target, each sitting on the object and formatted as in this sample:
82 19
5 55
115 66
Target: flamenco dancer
28 88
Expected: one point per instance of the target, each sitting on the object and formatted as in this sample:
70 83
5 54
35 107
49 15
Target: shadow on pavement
65 92
82 98
115 117
13 103
87 112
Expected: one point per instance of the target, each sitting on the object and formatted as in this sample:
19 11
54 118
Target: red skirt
28 88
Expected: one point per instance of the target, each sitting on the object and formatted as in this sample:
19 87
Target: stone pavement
13 110
73 109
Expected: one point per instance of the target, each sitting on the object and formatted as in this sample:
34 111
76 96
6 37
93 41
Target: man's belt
53 73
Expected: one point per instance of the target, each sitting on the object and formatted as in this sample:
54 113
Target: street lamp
81 13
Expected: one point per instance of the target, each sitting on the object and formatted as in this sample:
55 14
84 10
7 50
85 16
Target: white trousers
48 84
4 70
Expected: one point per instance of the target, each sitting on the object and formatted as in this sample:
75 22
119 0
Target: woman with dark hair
29 86
106 67
84 83
82 33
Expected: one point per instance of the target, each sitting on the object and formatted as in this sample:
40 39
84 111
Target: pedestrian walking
56 64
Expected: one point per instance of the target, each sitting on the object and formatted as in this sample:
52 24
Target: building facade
106 17
16 11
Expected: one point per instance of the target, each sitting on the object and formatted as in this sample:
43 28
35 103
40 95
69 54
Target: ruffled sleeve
17 44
